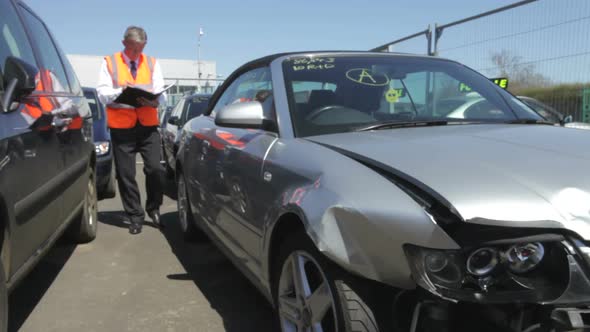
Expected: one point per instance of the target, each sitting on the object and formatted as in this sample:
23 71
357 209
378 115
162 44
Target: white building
183 73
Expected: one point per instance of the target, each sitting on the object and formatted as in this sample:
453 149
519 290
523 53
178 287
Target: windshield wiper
403 124
530 121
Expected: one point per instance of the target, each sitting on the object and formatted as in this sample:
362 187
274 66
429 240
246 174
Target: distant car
187 108
47 159
549 113
351 213
552 115
105 173
164 115
476 108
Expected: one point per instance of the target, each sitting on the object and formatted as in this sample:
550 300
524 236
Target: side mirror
19 78
241 115
173 120
567 119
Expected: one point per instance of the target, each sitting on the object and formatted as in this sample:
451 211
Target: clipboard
130 95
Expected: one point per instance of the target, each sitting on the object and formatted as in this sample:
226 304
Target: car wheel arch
286 224
291 221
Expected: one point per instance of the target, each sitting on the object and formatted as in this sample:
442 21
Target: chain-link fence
418 43
541 46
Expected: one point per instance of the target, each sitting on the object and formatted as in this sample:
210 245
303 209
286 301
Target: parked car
187 108
350 215
164 114
553 115
105 173
47 160
547 112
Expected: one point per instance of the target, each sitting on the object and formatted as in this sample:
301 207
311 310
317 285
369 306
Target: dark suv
47 157
105 172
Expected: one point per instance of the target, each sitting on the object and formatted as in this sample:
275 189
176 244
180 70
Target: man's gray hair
135 33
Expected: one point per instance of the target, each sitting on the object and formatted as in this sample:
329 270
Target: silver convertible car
352 203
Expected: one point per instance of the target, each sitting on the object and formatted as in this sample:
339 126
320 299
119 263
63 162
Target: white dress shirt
107 93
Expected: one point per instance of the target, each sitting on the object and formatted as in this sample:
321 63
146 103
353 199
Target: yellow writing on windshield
464 87
307 61
365 77
313 67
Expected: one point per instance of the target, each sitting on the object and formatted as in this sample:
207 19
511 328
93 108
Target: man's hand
126 85
146 102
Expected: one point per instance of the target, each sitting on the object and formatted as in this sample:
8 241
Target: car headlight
525 272
102 148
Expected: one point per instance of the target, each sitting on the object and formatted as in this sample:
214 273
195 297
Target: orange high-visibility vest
121 75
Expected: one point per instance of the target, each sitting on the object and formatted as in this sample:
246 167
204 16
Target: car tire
352 299
3 301
83 228
110 190
186 219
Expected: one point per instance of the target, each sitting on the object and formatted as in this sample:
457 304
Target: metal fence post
586 105
437 34
429 40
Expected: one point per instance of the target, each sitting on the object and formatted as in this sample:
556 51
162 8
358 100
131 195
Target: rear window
197 106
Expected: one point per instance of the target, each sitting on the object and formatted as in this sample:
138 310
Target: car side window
13 39
253 85
48 54
177 111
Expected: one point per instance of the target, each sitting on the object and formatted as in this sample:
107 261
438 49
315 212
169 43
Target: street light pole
201 33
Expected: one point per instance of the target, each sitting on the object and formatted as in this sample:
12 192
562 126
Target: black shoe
155 216
134 228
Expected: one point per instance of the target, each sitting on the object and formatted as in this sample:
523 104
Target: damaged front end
535 283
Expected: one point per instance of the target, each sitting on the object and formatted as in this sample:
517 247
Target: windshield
343 93
197 106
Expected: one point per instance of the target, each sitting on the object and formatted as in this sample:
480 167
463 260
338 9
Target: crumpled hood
508 175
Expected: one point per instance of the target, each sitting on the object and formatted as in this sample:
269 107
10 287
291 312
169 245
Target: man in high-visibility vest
134 129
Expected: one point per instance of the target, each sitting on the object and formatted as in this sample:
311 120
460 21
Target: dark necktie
133 69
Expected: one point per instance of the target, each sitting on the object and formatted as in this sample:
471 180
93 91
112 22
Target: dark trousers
126 143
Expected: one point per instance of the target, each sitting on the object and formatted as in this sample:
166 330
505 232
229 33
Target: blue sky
239 31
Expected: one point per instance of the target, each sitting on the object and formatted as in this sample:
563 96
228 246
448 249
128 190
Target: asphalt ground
153 281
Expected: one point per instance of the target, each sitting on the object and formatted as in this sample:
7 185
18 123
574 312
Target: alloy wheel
91 203
182 203
305 301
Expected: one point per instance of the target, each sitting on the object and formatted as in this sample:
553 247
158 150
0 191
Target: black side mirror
19 81
174 120
567 119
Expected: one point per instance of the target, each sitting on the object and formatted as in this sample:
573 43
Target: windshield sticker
365 77
393 95
464 87
313 64
500 81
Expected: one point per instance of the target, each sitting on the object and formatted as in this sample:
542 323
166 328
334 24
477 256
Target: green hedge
566 98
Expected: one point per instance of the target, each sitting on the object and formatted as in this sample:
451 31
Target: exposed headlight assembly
102 148
515 272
